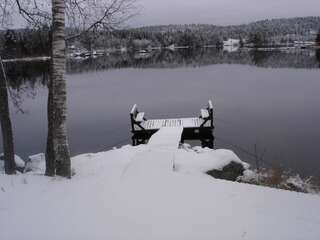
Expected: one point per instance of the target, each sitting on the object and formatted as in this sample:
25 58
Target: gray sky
221 12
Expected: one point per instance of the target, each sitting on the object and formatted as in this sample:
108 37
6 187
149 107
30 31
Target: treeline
266 32
24 43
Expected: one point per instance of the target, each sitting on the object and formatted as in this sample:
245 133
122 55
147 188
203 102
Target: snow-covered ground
26 59
116 195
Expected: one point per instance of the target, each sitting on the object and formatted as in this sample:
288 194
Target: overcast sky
221 12
218 12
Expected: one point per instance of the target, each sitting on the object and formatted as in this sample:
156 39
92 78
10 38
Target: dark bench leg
137 140
134 142
208 142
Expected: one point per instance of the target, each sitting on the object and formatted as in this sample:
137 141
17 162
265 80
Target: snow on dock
159 154
166 138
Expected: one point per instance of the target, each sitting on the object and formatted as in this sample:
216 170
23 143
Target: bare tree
83 16
6 127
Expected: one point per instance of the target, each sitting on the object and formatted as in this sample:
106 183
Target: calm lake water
267 99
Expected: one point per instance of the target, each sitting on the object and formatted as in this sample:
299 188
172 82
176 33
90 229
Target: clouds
221 12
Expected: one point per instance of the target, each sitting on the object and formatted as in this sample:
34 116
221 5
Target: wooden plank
154 124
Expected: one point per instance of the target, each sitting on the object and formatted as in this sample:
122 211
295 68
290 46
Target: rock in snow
230 172
106 201
20 164
205 160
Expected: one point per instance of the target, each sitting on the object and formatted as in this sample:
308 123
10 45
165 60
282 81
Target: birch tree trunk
50 156
6 127
50 159
58 115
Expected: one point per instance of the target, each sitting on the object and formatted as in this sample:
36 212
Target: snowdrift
110 197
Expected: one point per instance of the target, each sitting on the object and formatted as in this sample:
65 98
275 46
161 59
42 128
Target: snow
27 59
202 160
167 138
36 163
112 196
159 154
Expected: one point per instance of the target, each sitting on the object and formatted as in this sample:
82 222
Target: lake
265 99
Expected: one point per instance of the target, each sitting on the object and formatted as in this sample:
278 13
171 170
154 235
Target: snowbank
104 201
192 160
36 163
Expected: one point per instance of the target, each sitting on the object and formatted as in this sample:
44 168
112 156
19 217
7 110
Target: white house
231 42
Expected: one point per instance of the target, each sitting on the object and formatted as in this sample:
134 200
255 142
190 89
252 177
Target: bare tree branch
106 15
82 15
32 13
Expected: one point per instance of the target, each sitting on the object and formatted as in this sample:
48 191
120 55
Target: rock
20 163
230 172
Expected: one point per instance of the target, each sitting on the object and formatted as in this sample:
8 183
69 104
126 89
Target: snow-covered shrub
278 178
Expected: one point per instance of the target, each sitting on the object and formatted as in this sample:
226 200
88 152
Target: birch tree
83 16
59 92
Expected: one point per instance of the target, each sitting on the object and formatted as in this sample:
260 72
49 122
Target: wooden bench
139 123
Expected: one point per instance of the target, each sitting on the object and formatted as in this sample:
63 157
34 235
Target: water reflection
29 74
318 56
37 72
303 58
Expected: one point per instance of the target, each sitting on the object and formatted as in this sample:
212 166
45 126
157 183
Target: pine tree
10 44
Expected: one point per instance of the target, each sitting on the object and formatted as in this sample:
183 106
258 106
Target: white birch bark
59 90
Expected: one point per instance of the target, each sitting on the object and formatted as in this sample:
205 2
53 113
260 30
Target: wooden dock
194 128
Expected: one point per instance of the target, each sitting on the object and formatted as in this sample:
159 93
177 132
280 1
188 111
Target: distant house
313 32
231 42
231 45
304 43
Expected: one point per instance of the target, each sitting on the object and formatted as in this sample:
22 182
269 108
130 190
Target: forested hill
35 42
275 30
298 25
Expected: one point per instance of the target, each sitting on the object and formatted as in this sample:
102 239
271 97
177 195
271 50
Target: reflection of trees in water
318 56
259 57
24 78
198 57
285 59
27 73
